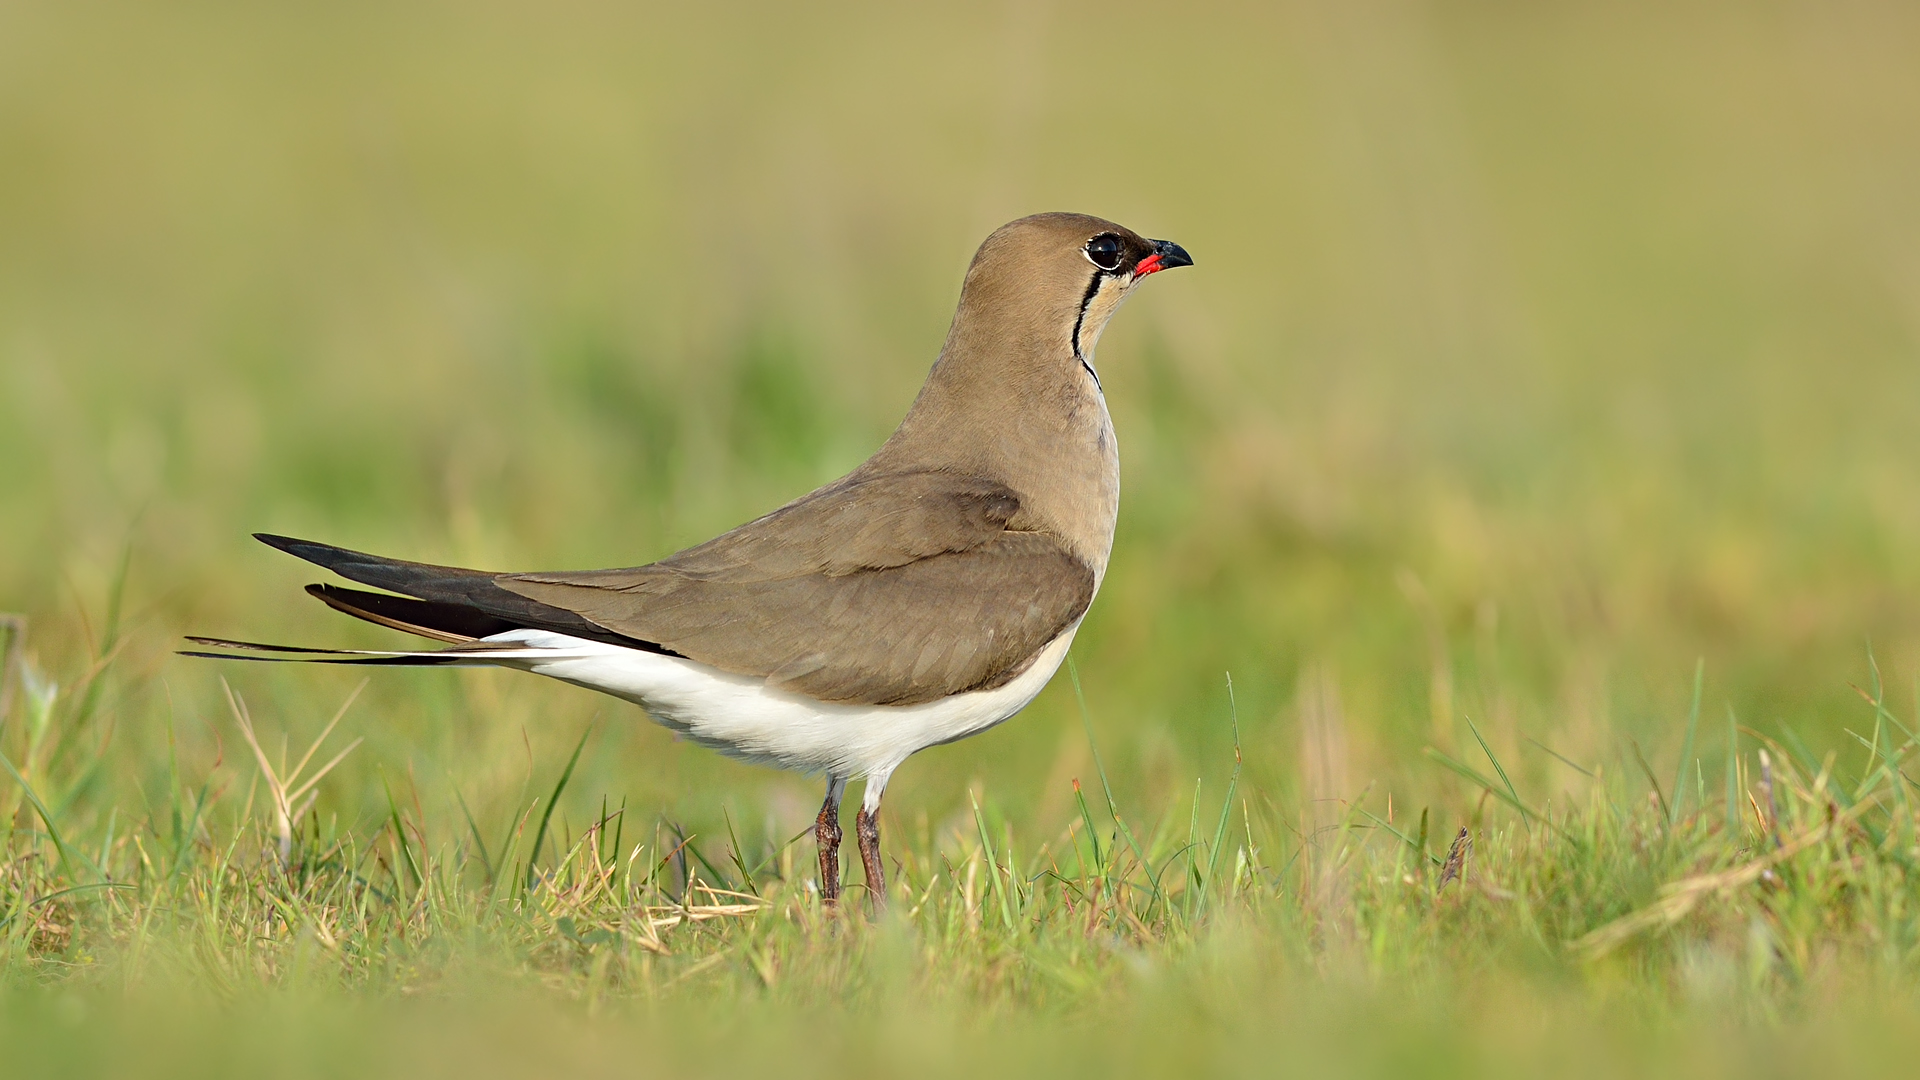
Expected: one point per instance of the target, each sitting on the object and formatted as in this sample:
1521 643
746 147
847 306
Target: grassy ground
1763 925
1540 407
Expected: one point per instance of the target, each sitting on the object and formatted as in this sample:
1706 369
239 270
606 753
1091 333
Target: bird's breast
1081 487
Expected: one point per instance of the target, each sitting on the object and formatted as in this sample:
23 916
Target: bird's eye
1104 251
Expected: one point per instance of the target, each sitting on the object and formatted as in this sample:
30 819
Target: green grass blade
479 842
1812 765
400 838
1513 796
546 816
1502 792
993 862
1226 807
1093 835
1113 808
1877 700
1882 713
109 638
713 871
1640 758
1417 845
67 855
1193 842
1733 773
739 860
1564 760
1686 746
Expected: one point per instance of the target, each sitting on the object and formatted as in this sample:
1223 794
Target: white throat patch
1100 308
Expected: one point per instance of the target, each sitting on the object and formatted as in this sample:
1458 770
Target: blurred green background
1533 352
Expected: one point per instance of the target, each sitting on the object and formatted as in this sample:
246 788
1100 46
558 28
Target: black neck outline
1093 290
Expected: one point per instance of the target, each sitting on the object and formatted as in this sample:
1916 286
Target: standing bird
924 597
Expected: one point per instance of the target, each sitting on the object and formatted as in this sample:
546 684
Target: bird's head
1052 281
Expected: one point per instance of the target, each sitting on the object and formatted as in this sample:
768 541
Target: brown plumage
941 570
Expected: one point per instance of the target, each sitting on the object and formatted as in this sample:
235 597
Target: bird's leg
866 826
826 833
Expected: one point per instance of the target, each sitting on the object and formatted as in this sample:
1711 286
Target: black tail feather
255 646
467 652
427 618
450 590
409 660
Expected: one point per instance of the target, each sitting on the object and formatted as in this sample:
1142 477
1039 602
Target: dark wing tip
284 543
335 558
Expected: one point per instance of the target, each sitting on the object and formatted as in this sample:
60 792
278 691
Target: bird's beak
1166 255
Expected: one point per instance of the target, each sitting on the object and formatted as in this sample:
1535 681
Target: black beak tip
1171 254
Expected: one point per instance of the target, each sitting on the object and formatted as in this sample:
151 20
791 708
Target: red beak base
1166 255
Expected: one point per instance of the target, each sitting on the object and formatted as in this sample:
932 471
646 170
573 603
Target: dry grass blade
744 904
726 904
1681 897
285 791
352 697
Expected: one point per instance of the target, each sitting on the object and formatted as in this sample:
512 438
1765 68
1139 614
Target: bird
924 597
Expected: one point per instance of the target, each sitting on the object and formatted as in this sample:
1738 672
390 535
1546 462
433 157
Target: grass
1532 444
1784 900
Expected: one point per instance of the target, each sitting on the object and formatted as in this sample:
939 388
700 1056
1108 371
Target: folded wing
890 590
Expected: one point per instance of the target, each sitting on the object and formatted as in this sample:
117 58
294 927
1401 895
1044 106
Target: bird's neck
1028 414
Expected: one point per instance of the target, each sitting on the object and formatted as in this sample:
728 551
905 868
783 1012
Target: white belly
744 718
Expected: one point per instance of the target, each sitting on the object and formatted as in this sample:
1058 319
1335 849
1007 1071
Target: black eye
1104 251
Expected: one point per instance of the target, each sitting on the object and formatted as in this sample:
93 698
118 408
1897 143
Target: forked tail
477 653
464 608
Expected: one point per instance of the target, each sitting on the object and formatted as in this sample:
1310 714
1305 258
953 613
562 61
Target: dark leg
826 833
866 826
